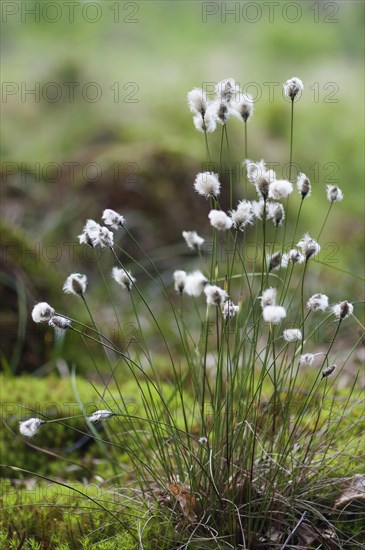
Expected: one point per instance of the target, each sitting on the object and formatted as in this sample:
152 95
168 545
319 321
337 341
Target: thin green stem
206 142
291 138
246 156
297 220
324 222
230 169
302 303
204 374
332 342
264 262
221 151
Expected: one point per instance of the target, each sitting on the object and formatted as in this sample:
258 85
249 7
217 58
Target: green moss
51 397
49 452
44 514
58 517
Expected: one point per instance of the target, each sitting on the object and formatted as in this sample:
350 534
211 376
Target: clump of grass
248 447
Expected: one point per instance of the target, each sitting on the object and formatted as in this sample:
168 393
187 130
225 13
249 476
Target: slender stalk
264 263
206 143
297 220
221 151
204 374
116 350
324 222
230 168
332 342
246 156
292 533
291 138
290 170
89 312
302 303
272 332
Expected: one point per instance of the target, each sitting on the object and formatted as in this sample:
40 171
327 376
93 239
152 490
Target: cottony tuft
75 283
293 87
42 312
30 427
207 184
123 278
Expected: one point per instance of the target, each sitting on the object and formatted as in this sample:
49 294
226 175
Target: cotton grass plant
242 440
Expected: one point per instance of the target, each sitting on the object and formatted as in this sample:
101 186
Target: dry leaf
185 499
354 490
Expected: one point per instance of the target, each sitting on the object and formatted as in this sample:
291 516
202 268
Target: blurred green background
107 125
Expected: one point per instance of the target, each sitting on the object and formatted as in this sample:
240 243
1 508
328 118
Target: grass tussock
242 435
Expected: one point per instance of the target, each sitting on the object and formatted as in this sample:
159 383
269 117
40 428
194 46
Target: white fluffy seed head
258 209
342 310
123 278
308 246
229 309
334 193
112 218
280 189
275 212
220 220
262 187
207 123
318 302
243 215
294 256
243 106
273 314
275 260
30 427
195 283
91 229
207 184
222 111
197 101
260 177
59 323
179 280
268 297
76 283
105 238
255 170
100 415
293 88
303 185
227 90
193 240
328 371
292 335
95 235
306 359
42 312
216 296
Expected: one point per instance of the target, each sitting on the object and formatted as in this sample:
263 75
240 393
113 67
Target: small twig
294 531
